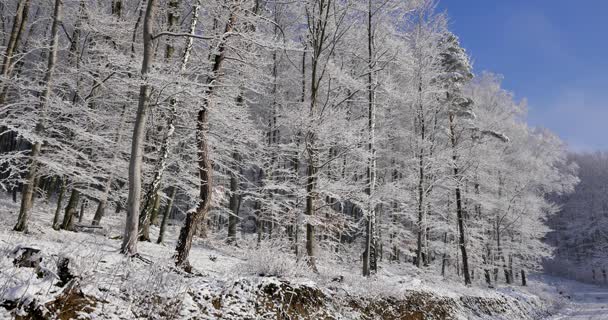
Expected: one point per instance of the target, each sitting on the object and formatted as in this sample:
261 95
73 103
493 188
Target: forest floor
250 281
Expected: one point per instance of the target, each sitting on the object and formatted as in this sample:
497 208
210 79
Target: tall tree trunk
196 217
370 252
129 244
317 37
27 195
296 167
153 191
421 126
459 209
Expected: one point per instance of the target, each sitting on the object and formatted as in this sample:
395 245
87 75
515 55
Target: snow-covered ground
229 279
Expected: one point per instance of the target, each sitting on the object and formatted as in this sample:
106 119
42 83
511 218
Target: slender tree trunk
233 218
370 252
509 271
129 244
103 202
15 188
444 259
155 210
163 223
27 195
420 227
296 167
310 202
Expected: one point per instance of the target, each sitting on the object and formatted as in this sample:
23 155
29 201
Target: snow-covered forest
346 140
579 228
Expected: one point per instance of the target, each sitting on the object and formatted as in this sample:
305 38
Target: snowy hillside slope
248 282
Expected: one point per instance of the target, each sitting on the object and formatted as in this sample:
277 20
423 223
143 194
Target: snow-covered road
584 301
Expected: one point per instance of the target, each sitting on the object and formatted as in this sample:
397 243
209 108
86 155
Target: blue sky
552 52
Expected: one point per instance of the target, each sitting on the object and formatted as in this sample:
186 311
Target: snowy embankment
247 282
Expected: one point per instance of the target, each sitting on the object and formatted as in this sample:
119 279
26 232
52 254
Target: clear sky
552 52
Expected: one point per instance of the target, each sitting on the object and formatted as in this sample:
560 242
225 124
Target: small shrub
270 259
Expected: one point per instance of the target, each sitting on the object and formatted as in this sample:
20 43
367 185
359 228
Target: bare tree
196 216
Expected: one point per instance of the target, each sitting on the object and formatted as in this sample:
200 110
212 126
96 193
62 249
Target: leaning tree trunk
196 217
129 244
28 192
